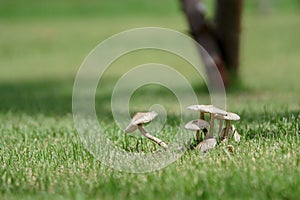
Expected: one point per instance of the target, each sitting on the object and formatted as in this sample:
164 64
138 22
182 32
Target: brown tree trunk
221 42
227 29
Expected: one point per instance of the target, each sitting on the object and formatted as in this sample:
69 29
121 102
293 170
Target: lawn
42 45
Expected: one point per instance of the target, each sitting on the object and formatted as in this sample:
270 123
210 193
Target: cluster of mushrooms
198 125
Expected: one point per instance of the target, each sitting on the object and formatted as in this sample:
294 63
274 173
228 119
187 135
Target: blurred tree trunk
221 40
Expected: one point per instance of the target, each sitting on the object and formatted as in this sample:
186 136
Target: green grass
46 159
42 157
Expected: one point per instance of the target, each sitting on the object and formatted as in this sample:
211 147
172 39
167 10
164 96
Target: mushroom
197 125
236 136
228 117
212 111
206 145
137 122
202 108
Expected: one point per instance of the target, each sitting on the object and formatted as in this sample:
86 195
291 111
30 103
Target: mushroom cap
229 116
207 109
197 124
206 145
140 118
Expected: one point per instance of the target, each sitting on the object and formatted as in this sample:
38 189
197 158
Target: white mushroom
236 136
202 108
206 145
228 117
137 122
197 125
212 111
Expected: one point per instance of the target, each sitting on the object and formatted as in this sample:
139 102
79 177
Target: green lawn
41 155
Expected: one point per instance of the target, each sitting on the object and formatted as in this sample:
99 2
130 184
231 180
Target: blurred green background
42 45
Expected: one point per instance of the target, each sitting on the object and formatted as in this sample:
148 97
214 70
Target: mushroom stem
205 132
220 126
202 115
211 127
151 137
198 136
227 127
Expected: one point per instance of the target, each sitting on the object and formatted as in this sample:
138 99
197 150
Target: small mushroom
137 122
206 145
212 111
236 136
202 108
197 125
228 117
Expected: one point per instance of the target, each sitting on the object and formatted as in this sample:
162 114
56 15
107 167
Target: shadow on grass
46 97
268 115
41 97
270 124
237 87
54 97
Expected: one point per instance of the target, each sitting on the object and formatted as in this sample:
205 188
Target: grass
42 157
48 160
